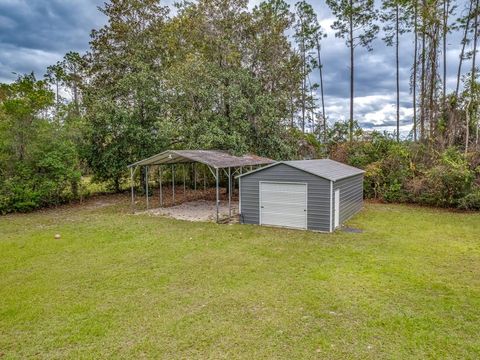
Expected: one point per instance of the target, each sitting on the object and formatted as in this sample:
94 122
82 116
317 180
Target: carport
216 161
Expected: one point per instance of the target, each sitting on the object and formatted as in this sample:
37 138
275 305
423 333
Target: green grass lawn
130 286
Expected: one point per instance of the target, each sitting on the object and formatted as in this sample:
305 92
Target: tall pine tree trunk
415 72
320 70
75 92
311 102
351 73
445 31
292 115
474 55
422 81
433 81
462 52
57 96
467 125
303 86
474 67
397 66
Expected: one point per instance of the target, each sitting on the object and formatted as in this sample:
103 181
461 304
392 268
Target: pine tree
306 32
415 68
356 23
465 25
474 70
396 15
430 29
319 35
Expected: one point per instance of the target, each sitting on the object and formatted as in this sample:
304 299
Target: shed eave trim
262 168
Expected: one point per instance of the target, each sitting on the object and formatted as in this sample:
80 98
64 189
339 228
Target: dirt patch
198 210
101 202
351 230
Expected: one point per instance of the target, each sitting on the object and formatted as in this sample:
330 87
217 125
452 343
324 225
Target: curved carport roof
217 159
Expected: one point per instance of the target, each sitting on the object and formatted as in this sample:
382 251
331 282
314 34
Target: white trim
337 211
282 182
306 206
331 206
260 203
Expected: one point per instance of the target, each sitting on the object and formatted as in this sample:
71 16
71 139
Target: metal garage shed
306 194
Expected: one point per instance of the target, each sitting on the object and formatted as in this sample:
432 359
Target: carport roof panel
215 158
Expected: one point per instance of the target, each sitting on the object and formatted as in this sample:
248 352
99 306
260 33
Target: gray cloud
50 25
36 34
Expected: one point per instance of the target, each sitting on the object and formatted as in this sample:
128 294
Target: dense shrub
387 165
48 179
449 180
412 172
470 201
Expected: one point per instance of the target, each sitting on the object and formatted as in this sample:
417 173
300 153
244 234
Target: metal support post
160 188
204 181
229 194
173 184
146 185
184 180
217 194
132 185
195 176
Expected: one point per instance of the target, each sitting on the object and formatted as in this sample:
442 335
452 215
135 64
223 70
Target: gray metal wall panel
351 196
318 211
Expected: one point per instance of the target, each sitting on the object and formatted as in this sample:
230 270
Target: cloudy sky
37 33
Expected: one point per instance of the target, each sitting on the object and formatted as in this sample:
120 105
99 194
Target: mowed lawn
118 285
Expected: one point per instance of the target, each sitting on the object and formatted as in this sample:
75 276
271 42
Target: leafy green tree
273 61
74 78
215 75
124 94
38 163
238 98
56 76
22 102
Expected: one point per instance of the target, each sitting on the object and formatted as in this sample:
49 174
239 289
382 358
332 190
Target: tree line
220 75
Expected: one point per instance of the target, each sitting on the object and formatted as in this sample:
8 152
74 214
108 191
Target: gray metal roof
215 158
325 168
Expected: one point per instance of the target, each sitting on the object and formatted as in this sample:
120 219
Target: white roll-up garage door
283 204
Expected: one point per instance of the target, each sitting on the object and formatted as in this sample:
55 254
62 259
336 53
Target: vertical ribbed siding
318 207
351 196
